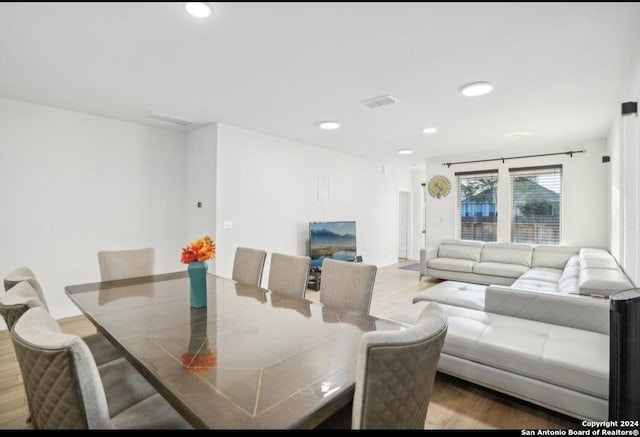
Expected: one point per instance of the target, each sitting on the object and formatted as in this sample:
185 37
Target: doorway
404 212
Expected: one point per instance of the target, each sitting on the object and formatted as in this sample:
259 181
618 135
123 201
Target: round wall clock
439 186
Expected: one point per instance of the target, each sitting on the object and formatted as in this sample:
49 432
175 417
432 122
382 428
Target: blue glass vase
198 284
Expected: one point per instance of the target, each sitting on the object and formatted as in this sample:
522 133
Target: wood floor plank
10 381
15 418
13 399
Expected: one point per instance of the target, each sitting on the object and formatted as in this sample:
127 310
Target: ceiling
558 69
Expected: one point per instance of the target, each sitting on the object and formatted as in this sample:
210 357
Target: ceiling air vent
167 118
376 102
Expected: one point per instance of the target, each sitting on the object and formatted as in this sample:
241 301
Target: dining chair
248 265
24 274
395 373
288 274
66 390
347 285
16 301
123 264
23 295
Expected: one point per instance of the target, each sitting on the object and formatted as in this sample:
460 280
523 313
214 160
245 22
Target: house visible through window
477 205
536 199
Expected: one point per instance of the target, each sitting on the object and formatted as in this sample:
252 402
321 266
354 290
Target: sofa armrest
425 256
575 311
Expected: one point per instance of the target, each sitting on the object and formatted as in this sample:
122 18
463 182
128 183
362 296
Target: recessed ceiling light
517 134
198 9
329 125
429 130
476 89
405 151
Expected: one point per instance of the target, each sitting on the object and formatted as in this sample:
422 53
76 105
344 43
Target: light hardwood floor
455 404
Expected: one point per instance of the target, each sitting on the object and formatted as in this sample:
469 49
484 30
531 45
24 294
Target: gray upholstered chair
123 264
22 274
396 371
248 265
395 375
17 300
288 274
23 295
347 285
66 390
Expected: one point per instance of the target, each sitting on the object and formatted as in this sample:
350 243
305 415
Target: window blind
536 204
477 213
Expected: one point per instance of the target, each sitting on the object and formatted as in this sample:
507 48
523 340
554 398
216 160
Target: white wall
615 196
268 188
200 175
584 196
623 147
418 200
72 184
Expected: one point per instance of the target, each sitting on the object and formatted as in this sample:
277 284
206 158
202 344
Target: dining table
250 359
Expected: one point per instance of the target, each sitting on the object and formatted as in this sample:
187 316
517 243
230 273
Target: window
477 205
536 199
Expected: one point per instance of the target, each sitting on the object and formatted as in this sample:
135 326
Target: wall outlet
227 224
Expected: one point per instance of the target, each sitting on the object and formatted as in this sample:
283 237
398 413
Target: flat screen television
336 240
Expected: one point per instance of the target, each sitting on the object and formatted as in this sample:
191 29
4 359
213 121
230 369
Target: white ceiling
558 69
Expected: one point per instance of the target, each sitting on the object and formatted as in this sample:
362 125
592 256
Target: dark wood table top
251 359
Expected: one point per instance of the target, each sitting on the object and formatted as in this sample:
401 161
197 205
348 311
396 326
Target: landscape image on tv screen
336 240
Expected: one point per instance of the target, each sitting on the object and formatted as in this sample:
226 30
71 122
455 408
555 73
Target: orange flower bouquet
195 255
202 249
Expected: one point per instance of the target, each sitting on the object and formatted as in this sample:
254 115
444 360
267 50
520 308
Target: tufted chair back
61 378
395 373
22 274
17 300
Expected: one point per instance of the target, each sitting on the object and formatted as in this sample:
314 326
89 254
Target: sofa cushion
545 274
567 357
552 256
507 253
451 264
602 282
535 285
571 268
597 259
499 269
568 281
460 249
456 293
568 285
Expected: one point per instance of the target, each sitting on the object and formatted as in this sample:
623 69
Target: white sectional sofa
586 271
537 329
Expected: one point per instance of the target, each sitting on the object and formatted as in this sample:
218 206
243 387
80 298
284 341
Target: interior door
403 224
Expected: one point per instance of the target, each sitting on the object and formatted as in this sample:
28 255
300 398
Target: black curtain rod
570 153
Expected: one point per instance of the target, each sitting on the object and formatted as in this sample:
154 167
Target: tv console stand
313 280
